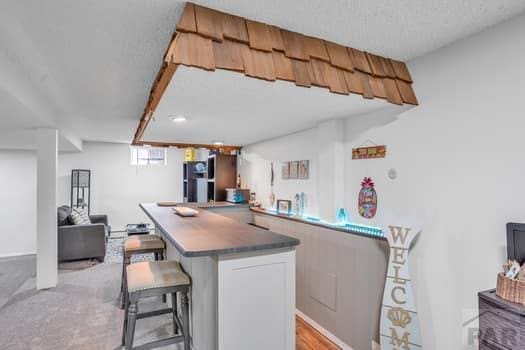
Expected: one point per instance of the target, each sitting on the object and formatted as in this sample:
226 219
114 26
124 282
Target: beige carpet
80 313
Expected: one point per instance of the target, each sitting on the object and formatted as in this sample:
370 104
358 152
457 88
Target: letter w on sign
399 236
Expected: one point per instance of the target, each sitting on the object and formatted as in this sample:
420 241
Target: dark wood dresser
501 323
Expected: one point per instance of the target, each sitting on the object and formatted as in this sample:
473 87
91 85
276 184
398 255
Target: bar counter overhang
243 279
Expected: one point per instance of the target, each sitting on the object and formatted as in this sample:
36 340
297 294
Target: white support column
46 261
330 138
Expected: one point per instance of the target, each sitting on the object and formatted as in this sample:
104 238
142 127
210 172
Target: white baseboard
13 255
323 331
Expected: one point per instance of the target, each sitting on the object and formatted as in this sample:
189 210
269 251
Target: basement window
148 156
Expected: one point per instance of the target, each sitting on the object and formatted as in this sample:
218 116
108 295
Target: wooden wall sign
369 152
399 319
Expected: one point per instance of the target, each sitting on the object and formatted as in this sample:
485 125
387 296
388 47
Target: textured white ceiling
402 29
93 61
229 107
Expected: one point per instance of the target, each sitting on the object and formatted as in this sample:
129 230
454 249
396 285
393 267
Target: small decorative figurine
297 204
272 195
303 203
238 181
367 203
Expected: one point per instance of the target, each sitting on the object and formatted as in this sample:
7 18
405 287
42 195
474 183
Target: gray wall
340 279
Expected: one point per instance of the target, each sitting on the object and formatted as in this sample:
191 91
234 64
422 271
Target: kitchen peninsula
340 275
243 278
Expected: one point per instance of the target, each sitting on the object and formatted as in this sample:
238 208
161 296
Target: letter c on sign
395 297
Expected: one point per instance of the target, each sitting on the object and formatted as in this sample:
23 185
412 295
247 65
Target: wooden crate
511 290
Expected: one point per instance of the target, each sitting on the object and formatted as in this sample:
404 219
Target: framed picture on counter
284 206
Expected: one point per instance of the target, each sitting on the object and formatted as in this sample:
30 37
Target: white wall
119 187
254 165
18 202
459 157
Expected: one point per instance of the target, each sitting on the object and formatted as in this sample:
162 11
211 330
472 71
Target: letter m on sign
399 343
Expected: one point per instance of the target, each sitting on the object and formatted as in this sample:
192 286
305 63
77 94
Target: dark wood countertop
212 234
315 223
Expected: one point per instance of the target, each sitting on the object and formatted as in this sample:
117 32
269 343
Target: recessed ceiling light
218 143
177 118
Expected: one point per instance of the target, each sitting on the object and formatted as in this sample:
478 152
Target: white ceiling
252 111
87 66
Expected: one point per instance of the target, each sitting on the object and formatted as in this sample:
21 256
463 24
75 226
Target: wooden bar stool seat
155 274
139 244
155 278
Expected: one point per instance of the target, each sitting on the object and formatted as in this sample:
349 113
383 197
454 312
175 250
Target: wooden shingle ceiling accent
283 66
259 36
210 40
233 28
360 60
228 55
339 56
316 48
225 148
276 38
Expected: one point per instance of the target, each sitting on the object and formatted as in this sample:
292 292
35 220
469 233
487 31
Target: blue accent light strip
362 229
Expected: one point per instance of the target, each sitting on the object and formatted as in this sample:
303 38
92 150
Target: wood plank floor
308 338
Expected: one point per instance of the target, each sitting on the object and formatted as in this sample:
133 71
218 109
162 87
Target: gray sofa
76 242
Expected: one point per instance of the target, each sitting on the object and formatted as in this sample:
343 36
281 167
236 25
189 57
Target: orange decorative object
369 152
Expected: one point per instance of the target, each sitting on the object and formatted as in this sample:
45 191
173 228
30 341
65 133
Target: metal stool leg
160 256
130 327
121 296
125 326
122 277
175 315
185 319
124 294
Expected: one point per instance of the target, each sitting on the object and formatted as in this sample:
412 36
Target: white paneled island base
242 301
257 301
242 280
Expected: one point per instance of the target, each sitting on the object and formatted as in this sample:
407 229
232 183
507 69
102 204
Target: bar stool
155 278
139 244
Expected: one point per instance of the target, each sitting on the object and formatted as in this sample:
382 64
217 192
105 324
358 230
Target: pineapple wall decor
399 319
367 203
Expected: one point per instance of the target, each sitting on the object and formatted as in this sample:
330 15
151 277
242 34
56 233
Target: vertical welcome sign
399 321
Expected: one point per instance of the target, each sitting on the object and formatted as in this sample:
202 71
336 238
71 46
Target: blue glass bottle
342 217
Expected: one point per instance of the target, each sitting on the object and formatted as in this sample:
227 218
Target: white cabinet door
257 302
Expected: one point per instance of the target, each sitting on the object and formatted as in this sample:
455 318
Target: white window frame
145 156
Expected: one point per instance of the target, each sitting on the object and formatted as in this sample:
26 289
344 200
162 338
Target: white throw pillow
80 217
